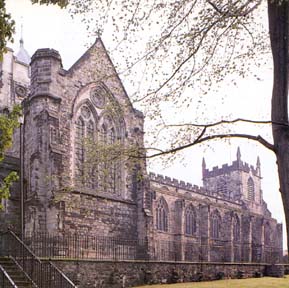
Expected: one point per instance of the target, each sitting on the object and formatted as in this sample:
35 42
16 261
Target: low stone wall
102 274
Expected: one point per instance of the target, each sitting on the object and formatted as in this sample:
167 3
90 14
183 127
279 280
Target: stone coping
160 262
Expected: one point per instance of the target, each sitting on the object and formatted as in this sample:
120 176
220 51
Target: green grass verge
265 282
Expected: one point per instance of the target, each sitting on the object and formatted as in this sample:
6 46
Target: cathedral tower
237 182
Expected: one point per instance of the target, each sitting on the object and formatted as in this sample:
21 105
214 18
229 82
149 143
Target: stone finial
204 166
258 166
22 54
238 154
258 162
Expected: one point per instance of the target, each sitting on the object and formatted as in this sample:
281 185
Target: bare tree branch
200 140
228 122
238 12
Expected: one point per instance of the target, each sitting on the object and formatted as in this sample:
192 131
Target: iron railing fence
13 247
43 274
86 247
54 277
80 246
5 280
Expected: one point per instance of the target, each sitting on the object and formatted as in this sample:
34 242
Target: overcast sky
51 27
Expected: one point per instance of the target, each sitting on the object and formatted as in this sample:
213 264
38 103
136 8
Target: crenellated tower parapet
236 181
165 180
237 165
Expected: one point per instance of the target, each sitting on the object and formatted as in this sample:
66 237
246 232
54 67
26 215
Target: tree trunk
278 29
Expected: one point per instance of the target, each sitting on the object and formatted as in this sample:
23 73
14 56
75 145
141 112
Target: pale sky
50 27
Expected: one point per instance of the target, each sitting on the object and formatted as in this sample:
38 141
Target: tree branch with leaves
193 45
8 123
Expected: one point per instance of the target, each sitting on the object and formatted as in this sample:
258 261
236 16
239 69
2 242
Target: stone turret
45 63
41 136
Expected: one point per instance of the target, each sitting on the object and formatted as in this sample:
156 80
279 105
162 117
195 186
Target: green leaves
60 3
7 28
8 123
5 186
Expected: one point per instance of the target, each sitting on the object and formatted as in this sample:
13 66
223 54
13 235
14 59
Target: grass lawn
265 282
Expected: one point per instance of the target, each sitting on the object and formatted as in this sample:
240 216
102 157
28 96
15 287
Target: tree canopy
193 44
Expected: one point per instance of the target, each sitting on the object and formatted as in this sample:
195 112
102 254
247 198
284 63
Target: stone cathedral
72 186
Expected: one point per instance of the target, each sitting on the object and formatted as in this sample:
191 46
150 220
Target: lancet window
251 189
162 215
267 234
84 134
236 228
190 221
215 224
109 160
79 149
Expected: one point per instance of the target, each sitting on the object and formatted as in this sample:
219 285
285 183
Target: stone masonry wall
250 245
108 274
99 216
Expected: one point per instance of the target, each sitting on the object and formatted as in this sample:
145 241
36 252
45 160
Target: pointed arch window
236 228
84 131
162 215
79 149
267 234
103 158
215 224
113 164
109 163
90 130
251 189
190 221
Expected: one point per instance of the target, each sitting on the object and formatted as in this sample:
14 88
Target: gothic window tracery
97 142
79 149
109 176
251 189
215 224
236 228
1 74
84 130
190 220
162 215
267 234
